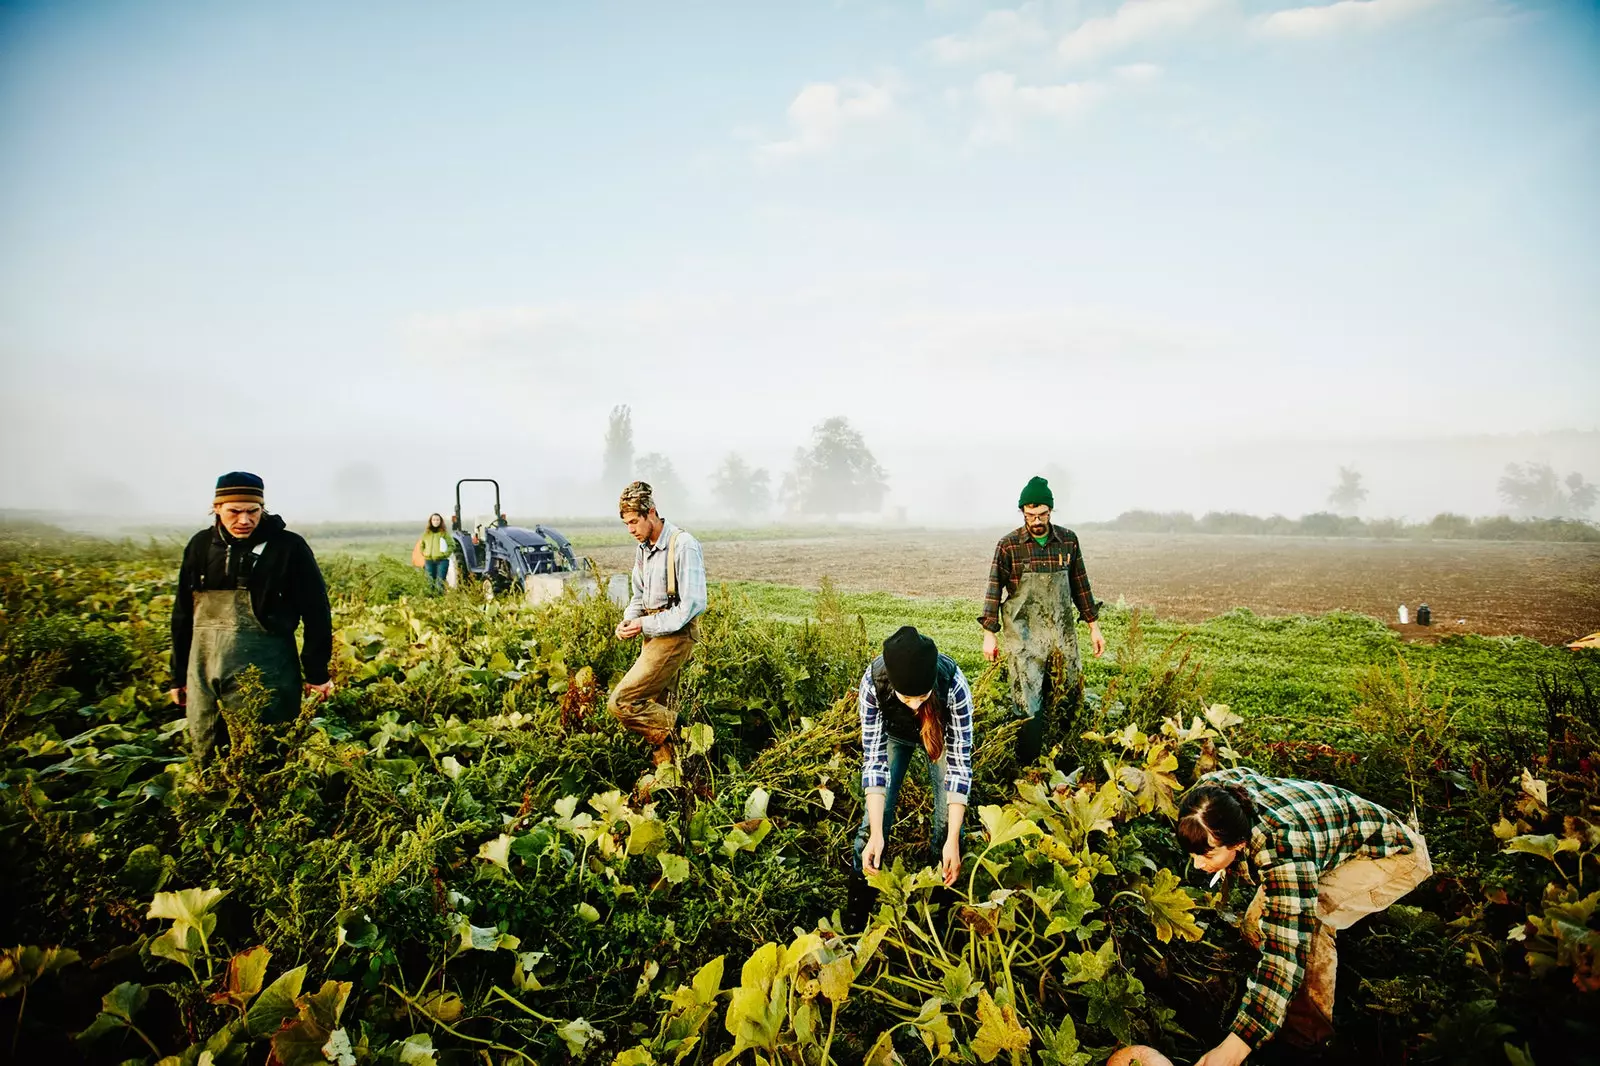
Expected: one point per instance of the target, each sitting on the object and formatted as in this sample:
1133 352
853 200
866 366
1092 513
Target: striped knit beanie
239 487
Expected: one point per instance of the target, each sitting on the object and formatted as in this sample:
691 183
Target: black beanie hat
912 661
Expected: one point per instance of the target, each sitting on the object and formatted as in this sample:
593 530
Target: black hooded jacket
285 584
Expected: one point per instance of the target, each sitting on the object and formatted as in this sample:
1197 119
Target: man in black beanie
1035 581
245 585
911 699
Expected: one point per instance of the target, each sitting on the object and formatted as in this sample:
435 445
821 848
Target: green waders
228 640
1036 620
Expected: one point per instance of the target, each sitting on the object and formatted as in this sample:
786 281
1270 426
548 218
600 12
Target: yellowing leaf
246 973
646 837
1221 718
998 1030
586 913
442 1006
674 867
1536 789
1170 907
699 736
882 1053
836 978
497 851
1004 824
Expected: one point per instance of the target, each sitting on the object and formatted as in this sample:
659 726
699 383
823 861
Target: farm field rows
1547 592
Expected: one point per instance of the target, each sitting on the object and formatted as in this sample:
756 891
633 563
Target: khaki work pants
1348 893
638 700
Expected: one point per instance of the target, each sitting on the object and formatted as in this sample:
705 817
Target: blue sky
297 236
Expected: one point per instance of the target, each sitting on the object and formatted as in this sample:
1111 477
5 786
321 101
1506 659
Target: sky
1184 254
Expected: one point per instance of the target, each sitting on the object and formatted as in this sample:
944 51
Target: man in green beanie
1035 581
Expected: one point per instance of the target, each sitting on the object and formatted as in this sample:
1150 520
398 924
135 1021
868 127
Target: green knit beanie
1037 491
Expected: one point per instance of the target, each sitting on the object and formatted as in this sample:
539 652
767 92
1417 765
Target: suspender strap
672 568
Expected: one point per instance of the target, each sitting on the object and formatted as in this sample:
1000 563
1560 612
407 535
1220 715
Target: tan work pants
1347 893
637 700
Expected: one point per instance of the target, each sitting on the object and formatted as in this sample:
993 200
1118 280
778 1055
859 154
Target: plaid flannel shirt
1303 830
957 739
1018 553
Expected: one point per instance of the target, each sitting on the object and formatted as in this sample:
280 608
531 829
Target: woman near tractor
911 699
1325 858
433 549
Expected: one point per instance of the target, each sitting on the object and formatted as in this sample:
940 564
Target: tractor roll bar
499 518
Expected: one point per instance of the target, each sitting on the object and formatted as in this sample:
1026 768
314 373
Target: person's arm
874 769
183 622
1078 582
309 594
999 578
691 568
1288 923
957 774
635 608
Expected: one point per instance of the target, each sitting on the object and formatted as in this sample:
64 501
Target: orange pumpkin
1138 1055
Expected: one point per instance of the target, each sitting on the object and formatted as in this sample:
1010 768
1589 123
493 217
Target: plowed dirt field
1550 592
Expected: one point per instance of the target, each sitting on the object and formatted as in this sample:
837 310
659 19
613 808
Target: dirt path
1550 592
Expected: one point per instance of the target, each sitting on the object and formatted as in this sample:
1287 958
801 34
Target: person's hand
951 865
872 854
322 691
1097 639
179 696
627 630
1231 1052
991 646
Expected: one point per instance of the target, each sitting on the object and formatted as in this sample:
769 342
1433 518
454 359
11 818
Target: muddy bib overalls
228 640
1036 620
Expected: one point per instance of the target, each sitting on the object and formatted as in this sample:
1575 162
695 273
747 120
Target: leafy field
461 858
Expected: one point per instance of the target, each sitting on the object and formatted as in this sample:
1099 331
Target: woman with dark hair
1325 859
912 699
434 547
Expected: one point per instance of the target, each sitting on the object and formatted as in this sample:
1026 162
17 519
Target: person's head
912 661
435 522
1214 824
1036 502
637 509
239 503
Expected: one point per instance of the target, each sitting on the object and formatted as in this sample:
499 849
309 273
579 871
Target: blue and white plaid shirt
957 739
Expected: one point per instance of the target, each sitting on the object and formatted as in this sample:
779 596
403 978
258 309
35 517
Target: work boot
664 753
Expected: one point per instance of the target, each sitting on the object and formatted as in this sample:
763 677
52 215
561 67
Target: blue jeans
901 753
436 570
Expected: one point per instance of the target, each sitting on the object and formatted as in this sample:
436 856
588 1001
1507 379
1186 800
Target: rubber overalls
228 640
1036 620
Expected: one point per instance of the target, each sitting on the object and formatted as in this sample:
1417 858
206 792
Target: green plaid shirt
1018 554
1303 830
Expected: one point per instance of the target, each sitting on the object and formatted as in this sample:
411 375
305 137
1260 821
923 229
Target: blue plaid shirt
957 739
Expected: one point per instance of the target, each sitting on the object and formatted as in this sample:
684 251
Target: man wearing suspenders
669 594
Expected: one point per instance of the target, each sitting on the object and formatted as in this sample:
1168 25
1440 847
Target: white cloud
1135 22
823 110
1140 73
1346 16
1007 105
1000 34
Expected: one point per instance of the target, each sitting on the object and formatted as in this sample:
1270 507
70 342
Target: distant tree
837 474
742 491
1533 490
670 491
1347 495
619 448
1581 495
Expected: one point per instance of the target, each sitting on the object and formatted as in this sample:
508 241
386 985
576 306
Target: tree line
835 474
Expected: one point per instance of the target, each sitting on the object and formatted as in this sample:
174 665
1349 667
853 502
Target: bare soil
1549 592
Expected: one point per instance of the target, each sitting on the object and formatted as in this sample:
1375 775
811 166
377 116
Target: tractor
503 558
